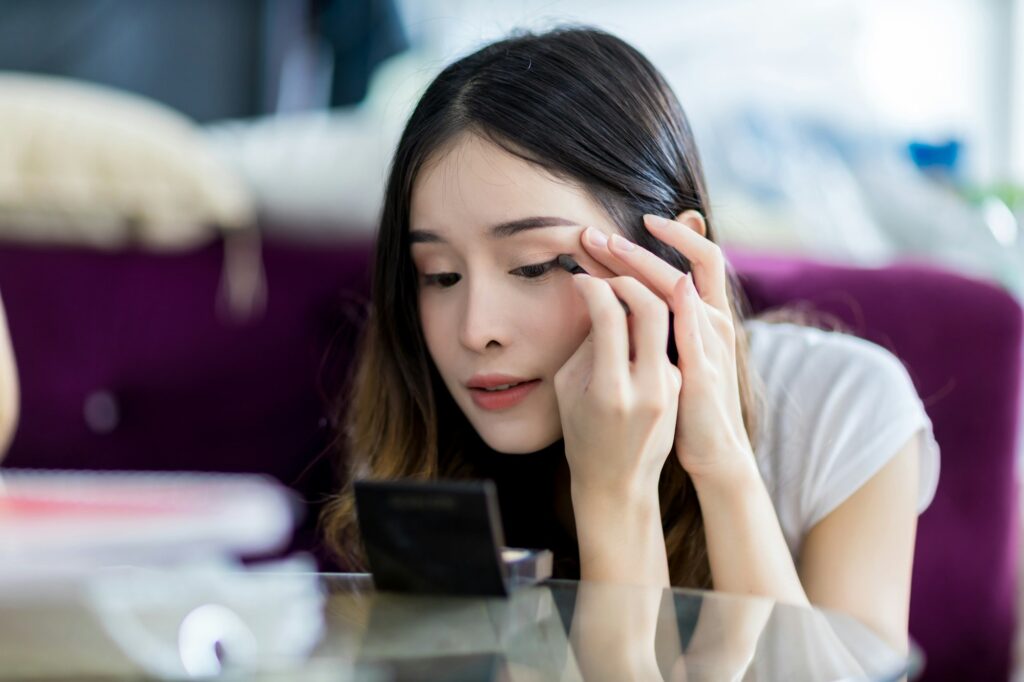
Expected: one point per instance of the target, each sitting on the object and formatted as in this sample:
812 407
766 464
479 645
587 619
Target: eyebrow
499 231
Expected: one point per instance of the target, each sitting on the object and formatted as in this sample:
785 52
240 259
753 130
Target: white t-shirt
836 409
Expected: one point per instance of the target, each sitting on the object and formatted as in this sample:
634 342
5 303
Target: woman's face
481 312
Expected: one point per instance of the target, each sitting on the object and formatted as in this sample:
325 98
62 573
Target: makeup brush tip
568 264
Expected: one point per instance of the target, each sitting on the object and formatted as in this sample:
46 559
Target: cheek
566 323
436 329
553 321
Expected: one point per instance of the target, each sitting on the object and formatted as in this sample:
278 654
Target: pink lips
501 399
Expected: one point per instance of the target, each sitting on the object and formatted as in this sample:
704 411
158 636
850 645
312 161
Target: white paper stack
138 574
84 519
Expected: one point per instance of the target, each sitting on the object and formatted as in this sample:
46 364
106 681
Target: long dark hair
583 105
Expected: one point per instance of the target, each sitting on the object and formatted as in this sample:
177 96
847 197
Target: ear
693 220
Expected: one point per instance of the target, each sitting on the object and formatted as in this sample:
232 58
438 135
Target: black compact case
441 537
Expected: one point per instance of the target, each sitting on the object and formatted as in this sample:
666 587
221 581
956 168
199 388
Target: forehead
474 184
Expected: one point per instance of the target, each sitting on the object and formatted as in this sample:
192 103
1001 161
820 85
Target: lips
495 380
506 390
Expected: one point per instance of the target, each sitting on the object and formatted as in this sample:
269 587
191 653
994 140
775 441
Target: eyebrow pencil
570 266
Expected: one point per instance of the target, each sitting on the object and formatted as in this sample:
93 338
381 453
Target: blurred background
859 131
189 190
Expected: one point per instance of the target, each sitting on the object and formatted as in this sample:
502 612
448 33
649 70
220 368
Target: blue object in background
943 159
361 34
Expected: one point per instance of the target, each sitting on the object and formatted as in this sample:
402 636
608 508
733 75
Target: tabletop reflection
306 626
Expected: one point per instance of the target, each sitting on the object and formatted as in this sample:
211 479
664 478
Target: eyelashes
535 271
443 280
446 280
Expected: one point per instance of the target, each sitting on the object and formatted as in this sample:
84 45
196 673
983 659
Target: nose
485 317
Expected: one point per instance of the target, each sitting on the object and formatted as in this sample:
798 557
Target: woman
756 458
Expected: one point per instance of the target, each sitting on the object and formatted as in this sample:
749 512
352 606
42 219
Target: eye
446 280
535 271
442 279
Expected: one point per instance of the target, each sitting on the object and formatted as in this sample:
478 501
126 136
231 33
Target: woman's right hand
618 411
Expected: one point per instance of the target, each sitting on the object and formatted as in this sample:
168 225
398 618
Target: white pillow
82 163
322 173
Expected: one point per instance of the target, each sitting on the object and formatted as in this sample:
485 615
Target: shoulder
822 382
785 354
834 410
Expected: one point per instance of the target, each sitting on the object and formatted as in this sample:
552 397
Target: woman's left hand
711 440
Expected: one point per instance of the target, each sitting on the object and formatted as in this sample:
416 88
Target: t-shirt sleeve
863 411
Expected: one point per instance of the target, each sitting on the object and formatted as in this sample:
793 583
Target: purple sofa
961 341
126 365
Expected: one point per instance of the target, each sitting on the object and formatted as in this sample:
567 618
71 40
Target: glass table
139 624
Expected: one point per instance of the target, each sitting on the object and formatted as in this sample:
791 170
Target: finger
686 325
574 376
589 260
612 262
660 275
677 378
607 330
650 323
705 256
708 336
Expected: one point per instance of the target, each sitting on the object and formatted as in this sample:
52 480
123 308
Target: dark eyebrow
499 231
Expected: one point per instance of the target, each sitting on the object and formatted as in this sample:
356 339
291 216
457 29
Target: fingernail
654 219
622 243
596 237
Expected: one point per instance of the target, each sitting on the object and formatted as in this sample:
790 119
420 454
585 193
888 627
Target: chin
516 439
